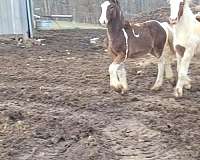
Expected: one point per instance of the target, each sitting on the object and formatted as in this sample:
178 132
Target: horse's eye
111 7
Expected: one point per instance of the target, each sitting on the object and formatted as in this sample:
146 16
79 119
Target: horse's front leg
183 79
179 57
117 72
114 80
121 72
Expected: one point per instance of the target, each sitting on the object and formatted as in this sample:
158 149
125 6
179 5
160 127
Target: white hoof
124 90
156 88
117 88
188 86
178 92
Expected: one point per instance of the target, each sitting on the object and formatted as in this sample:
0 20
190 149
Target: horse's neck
187 20
114 29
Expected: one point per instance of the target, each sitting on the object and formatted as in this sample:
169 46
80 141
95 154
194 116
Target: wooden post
46 11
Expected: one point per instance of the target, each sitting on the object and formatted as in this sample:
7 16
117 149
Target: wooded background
88 11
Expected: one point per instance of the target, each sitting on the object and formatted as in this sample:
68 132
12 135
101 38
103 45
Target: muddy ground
56 104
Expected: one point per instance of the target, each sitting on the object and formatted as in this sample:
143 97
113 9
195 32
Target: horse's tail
170 38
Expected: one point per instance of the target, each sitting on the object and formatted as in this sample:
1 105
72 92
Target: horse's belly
138 54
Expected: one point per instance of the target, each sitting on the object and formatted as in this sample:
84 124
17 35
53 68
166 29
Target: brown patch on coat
180 50
152 38
181 8
159 37
198 18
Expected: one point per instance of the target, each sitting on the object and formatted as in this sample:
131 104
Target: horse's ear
115 1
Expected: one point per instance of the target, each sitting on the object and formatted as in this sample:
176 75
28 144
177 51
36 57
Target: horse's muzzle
173 21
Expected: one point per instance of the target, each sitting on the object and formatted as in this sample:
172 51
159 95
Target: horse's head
176 8
110 11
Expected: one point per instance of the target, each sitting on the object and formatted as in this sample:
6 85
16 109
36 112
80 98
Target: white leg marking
168 67
114 81
168 71
168 57
122 77
183 71
178 57
187 82
169 74
160 75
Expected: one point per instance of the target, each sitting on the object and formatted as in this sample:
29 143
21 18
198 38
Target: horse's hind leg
160 75
170 75
168 70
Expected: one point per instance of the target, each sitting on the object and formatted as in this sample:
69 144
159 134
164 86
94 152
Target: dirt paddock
56 104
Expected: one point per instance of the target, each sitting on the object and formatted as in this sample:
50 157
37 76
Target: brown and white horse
186 29
131 41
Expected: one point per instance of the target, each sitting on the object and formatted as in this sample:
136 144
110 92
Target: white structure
16 17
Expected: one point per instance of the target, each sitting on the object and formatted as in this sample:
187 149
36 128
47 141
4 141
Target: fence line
88 11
